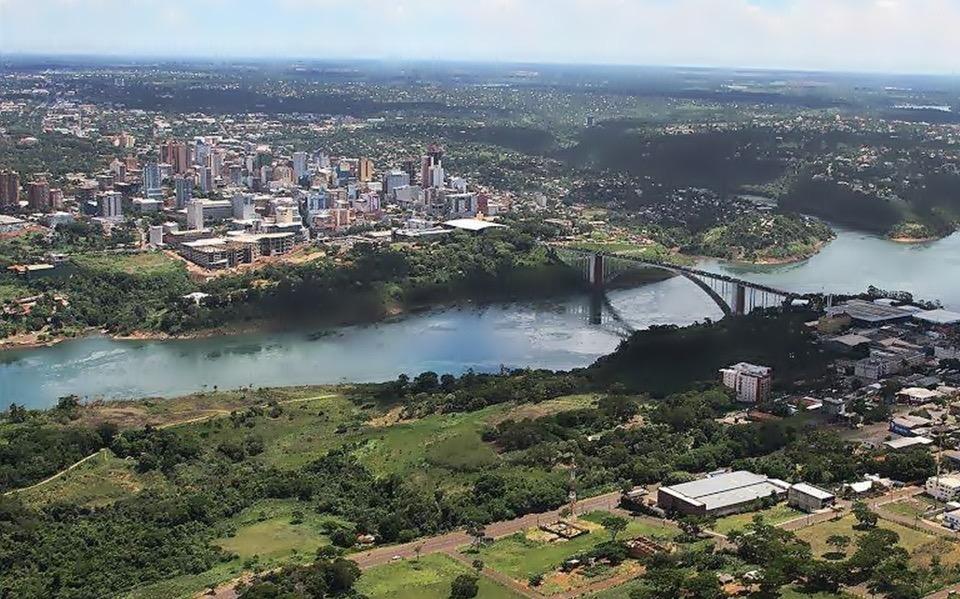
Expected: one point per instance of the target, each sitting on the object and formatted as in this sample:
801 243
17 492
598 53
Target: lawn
910 507
188 585
97 482
428 578
817 535
275 531
520 557
144 263
775 515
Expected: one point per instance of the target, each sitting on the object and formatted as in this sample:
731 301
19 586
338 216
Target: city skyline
820 35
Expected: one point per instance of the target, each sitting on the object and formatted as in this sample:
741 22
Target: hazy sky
872 35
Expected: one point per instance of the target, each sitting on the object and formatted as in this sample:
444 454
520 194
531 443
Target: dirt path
449 542
211 415
55 476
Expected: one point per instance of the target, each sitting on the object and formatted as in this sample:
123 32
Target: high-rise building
216 162
365 170
9 189
394 179
105 182
436 175
119 169
201 152
183 187
38 195
243 206
300 165
316 201
176 154
110 204
56 199
195 215
205 176
425 164
151 180
410 167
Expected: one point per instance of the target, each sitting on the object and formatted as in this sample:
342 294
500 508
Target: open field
547 408
145 263
776 515
817 535
189 408
520 556
97 482
272 530
427 578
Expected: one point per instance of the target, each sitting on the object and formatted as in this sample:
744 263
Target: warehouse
721 494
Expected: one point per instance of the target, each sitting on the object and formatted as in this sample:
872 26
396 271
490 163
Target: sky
901 36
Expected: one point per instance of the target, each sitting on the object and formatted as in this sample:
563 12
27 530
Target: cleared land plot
428 578
146 263
778 514
521 557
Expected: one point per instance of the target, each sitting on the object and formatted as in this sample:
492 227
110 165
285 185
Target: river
556 334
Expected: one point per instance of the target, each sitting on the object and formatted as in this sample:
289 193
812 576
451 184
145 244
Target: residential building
907 425
300 165
952 520
38 195
943 488
183 188
365 170
9 189
152 180
751 383
110 204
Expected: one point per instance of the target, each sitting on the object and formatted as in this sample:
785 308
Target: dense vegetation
367 283
764 237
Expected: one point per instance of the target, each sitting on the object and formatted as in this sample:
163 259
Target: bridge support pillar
596 275
740 300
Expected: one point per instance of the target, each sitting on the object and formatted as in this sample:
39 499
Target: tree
614 525
16 414
417 550
478 565
464 587
866 519
839 542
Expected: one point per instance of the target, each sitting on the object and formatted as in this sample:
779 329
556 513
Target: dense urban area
806 445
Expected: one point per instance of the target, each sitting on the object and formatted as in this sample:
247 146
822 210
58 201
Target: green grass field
267 530
188 586
817 535
775 515
145 263
520 557
428 578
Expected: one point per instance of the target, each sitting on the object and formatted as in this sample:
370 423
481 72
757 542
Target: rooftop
812 491
905 442
472 224
938 316
870 312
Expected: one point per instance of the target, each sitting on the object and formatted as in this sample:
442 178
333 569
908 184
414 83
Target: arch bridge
735 297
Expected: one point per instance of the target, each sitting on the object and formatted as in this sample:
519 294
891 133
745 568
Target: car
396 558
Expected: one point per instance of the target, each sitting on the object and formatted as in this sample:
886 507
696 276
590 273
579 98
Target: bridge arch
601 268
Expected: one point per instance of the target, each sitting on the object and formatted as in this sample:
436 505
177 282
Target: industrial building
720 494
809 498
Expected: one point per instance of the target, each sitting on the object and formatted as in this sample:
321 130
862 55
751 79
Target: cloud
886 35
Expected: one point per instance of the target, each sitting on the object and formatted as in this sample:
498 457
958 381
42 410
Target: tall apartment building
9 189
110 204
152 180
183 187
751 383
38 195
365 168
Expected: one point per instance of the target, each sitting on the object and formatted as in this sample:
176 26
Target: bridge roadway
599 270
